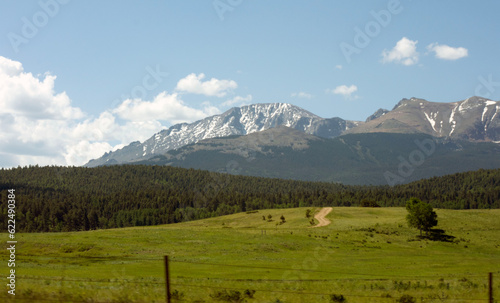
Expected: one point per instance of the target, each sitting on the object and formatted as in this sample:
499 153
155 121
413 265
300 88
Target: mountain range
236 121
473 119
285 141
354 159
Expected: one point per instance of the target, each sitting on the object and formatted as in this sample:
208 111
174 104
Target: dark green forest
52 199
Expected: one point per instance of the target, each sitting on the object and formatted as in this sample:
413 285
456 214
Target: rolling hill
365 254
56 199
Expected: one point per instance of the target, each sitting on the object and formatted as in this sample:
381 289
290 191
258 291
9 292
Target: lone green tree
420 215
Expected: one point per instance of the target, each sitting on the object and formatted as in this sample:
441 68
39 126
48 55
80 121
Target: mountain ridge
235 121
354 159
473 119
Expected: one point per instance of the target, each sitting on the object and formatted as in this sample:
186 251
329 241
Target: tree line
77 198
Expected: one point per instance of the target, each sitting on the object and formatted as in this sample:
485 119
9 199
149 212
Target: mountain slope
236 121
376 158
474 119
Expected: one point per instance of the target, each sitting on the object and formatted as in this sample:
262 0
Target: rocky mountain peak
379 113
473 119
409 102
235 121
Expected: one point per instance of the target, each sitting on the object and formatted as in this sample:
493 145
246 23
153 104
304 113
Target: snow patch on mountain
474 119
496 112
431 120
236 121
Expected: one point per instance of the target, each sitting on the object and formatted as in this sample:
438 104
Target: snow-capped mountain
236 121
473 119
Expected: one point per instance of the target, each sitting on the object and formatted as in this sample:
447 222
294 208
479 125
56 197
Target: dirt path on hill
321 217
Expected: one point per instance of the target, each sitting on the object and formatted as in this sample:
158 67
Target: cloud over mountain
41 126
344 90
405 52
164 107
193 83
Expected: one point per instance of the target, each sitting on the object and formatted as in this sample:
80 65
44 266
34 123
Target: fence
184 284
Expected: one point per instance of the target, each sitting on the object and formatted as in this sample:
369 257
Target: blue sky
83 77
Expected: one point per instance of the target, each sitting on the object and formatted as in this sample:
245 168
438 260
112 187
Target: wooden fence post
491 287
167 279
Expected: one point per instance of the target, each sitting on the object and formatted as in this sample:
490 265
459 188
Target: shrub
337 298
249 293
233 296
368 203
176 295
406 299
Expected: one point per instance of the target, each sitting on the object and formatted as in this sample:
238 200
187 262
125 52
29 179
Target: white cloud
209 109
214 87
164 107
96 129
41 126
34 141
35 120
238 100
344 90
136 131
446 52
83 151
23 94
9 67
106 128
338 66
301 95
405 52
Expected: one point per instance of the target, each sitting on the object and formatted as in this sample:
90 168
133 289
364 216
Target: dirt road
321 217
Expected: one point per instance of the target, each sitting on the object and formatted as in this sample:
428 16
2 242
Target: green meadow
365 255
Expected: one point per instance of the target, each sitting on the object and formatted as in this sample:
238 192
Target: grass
366 254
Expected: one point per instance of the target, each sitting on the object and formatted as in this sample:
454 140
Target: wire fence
181 281
349 273
454 299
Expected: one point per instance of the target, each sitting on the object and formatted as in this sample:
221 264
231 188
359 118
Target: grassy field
366 255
